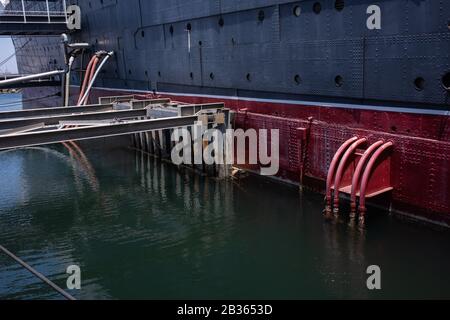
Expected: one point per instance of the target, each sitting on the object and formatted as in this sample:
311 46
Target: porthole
317 7
446 81
189 27
297 79
339 81
171 30
297 11
261 15
211 76
142 33
248 77
419 83
221 22
339 5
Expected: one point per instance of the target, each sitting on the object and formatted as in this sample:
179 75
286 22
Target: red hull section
419 160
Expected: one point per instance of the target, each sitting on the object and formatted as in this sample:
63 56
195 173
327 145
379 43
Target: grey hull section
322 51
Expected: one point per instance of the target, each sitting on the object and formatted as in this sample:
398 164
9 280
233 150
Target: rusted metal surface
420 161
419 170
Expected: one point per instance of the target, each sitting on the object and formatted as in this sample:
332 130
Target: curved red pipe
340 170
356 175
332 169
88 70
366 176
91 76
86 78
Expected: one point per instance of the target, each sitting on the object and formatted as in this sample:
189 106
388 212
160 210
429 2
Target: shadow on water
139 228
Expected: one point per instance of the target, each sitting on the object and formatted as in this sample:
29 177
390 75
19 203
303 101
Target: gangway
35 17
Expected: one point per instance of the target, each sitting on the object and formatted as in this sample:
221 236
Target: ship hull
319 71
419 166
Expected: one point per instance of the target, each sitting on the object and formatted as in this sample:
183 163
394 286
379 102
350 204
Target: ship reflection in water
139 228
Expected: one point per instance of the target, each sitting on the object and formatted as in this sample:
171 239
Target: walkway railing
37 11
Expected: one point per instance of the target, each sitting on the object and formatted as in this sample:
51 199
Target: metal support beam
191 109
23 129
55 111
113 99
141 104
84 133
77 123
54 120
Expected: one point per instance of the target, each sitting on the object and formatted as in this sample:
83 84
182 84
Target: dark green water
142 229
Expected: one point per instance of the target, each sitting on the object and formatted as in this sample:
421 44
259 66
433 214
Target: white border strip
296 102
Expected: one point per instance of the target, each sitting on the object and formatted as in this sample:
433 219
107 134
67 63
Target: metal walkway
46 126
34 17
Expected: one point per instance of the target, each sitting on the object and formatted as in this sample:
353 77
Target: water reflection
139 228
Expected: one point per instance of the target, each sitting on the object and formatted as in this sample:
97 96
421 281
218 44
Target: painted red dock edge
420 158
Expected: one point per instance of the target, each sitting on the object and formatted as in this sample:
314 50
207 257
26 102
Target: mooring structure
149 123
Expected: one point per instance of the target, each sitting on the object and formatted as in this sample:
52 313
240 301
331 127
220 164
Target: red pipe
91 76
366 176
340 171
357 174
86 78
331 171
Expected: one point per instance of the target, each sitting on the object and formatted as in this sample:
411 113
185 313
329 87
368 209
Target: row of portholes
338 80
317 8
419 82
171 30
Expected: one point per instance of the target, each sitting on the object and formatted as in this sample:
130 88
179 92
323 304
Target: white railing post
65 9
23 11
48 11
